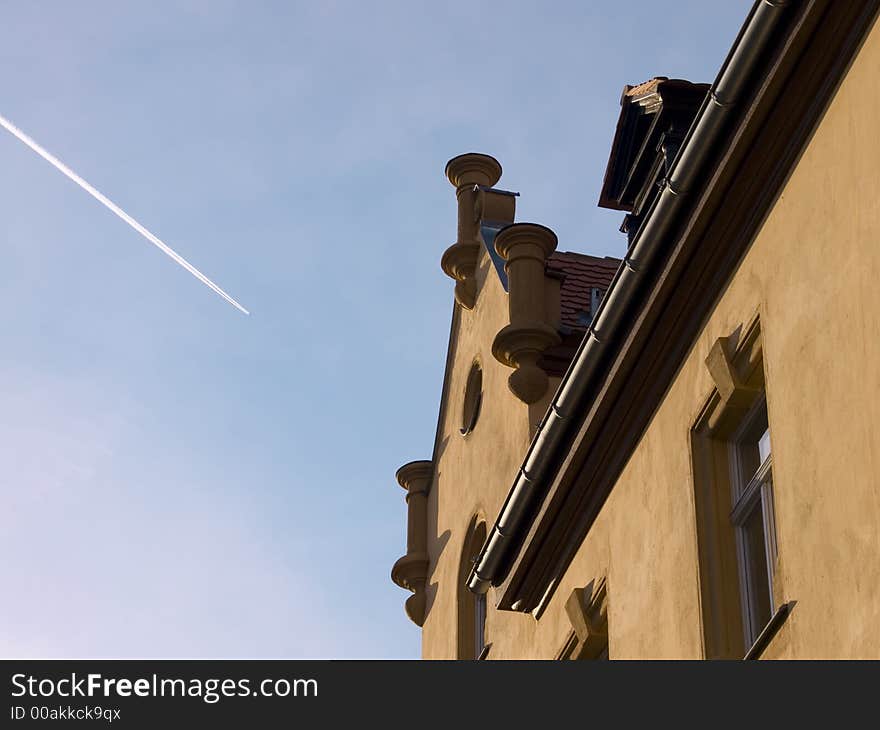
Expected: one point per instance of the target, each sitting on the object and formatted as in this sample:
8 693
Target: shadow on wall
431 590
440 540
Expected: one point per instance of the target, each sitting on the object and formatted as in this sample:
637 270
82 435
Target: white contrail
101 198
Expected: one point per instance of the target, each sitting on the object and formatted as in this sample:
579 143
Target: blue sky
178 479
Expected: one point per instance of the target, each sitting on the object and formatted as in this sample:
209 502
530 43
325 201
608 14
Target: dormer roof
654 117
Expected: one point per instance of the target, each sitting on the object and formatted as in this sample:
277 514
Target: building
676 458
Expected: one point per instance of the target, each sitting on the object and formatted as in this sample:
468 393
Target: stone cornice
459 262
512 343
415 476
473 168
520 240
520 346
409 570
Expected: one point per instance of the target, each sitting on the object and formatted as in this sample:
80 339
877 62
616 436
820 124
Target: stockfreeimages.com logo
209 690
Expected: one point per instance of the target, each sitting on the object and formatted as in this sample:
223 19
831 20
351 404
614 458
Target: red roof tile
580 274
645 87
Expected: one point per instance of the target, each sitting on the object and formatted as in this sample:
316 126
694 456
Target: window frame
472 400
725 420
479 624
748 493
472 609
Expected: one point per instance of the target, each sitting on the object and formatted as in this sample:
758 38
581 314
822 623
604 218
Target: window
740 595
473 398
752 518
471 607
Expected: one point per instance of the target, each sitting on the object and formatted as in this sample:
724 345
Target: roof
639 129
645 87
580 274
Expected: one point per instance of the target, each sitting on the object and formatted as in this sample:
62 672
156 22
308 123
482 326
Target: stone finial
459 261
525 248
411 571
473 168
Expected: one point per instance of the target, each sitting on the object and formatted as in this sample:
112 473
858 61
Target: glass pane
749 461
753 446
764 446
758 583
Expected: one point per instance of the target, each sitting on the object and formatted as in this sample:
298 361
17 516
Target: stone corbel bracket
525 248
411 571
468 173
735 396
587 609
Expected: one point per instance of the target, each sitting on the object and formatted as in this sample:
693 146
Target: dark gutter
572 396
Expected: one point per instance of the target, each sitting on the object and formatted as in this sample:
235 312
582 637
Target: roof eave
515 558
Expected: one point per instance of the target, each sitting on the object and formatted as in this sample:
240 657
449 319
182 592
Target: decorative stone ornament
587 610
525 248
411 571
467 172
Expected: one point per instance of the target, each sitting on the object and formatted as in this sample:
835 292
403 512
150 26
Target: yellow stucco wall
813 277
472 472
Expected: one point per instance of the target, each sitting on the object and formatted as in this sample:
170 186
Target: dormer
654 119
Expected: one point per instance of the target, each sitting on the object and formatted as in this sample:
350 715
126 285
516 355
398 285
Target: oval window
473 396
